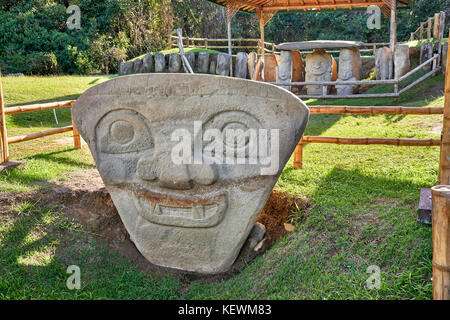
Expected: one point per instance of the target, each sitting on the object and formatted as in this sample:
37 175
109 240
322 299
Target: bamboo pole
375 110
444 163
39 107
298 155
441 241
367 141
39 134
421 32
229 47
4 152
76 137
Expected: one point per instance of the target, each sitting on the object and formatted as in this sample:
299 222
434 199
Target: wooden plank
392 39
444 164
436 25
367 141
39 134
441 241
429 28
4 152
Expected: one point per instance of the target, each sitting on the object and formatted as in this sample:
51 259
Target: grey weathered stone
348 68
382 63
318 44
193 217
444 56
174 63
160 62
252 60
319 66
402 62
137 66
426 52
121 64
213 63
284 70
203 62
241 65
223 64
191 59
147 63
127 67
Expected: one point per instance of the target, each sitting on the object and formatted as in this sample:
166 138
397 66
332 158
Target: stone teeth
198 212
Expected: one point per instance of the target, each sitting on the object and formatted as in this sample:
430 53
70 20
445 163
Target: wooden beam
4 152
367 141
325 5
39 107
393 39
375 110
298 155
444 164
39 134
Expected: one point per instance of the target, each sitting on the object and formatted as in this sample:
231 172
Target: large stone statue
349 70
319 66
159 140
284 69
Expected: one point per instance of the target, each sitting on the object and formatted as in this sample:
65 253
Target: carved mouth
180 210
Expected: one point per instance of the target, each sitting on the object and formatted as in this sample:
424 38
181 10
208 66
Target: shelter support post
393 38
229 46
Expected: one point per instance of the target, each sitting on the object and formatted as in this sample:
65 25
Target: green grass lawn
364 209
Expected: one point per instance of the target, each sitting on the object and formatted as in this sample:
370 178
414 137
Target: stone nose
176 176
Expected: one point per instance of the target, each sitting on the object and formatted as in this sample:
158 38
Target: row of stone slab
202 63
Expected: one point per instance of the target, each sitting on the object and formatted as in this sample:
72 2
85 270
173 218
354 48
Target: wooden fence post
441 241
429 28
444 163
298 155
76 137
437 19
421 32
4 152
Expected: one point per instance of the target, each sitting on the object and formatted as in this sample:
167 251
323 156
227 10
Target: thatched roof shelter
266 9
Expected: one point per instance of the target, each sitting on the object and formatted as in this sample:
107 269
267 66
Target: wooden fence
5 140
430 28
250 44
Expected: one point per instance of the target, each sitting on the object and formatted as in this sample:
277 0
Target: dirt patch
82 196
281 208
436 90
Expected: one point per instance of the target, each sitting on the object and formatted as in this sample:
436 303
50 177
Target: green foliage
110 30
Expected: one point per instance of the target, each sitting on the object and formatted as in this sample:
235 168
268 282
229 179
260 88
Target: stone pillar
127 67
160 62
382 63
347 71
426 52
252 59
284 70
223 64
137 66
174 63
120 67
213 63
319 67
190 56
147 63
402 62
241 65
203 62
270 68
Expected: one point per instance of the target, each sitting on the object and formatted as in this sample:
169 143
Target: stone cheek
319 65
187 216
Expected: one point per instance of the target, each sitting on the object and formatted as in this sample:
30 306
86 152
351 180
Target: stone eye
123 131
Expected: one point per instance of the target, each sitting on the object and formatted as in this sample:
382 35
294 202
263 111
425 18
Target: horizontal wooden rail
375 110
39 107
39 134
366 141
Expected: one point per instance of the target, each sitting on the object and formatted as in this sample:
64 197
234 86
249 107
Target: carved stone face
346 63
318 63
197 216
